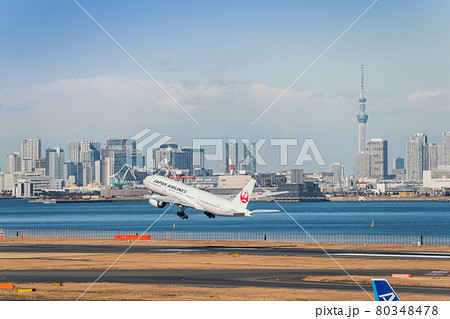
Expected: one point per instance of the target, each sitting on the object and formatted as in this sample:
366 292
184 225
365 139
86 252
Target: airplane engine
156 203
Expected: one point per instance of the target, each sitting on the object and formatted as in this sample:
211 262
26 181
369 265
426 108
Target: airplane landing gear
210 215
182 215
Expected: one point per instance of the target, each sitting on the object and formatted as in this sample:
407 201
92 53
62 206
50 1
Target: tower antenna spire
362 116
362 78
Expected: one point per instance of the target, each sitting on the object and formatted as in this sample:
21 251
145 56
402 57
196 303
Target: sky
62 78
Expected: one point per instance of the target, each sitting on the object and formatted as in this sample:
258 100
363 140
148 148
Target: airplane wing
169 200
257 195
244 214
267 194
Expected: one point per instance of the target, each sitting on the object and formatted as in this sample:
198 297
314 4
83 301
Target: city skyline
425 155
68 81
94 167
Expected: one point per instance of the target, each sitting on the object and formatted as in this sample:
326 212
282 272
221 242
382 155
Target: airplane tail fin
244 195
383 290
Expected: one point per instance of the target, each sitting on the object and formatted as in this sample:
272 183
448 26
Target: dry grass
113 291
48 261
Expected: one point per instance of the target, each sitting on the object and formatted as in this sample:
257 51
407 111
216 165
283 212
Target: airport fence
286 237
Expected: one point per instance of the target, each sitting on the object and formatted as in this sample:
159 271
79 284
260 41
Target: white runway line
391 255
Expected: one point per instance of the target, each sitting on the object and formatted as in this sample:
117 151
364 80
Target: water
391 218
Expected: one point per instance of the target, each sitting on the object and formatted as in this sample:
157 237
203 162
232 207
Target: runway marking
430 253
391 255
438 273
177 250
242 248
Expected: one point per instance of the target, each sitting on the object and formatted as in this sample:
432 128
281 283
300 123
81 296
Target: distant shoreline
390 199
281 200
90 200
7 197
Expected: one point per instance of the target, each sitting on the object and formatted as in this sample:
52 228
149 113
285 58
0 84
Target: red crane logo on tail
244 197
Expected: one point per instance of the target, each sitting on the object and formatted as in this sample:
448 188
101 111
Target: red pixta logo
244 197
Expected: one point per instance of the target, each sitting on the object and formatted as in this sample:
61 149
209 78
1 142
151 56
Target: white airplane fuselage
189 196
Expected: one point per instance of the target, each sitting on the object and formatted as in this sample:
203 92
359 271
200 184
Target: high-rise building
399 163
30 149
398 169
182 160
121 152
196 159
231 155
75 170
446 148
377 148
54 162
294 176
199 158
74 152
249 163
13 162
89 154
361 166
39 163
98 172
185 158
135 158
116 144
440 155
338 171
431 156
89 151
414 157
159 154
88 173
107 166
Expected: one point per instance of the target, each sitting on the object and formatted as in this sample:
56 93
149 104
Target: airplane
168 191
383 290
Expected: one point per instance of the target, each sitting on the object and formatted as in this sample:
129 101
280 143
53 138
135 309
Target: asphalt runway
267 251
267 278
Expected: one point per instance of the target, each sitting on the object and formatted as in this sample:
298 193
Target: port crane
118 179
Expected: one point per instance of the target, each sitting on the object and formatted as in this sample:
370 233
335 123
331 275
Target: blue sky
64 79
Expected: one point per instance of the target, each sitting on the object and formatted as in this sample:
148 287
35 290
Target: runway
257 250
267 278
